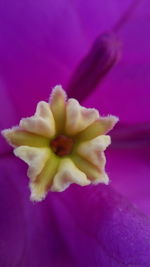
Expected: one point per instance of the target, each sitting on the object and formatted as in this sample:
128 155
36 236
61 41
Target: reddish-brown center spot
62 145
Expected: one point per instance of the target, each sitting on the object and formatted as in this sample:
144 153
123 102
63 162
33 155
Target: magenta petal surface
41 43
13 231
93 226
127 87
129 171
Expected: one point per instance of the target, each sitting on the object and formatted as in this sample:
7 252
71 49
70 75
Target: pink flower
42 43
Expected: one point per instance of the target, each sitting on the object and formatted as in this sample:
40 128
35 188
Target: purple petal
129 170
92 226
134 136
110 231
125 92
39 48
12 217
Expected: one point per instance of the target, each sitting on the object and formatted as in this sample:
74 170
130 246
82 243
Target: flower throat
62 145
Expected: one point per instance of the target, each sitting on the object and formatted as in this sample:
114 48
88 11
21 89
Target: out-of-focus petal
32 58
135 136
8 109
90 226
127 87
129 173
13 229
118 233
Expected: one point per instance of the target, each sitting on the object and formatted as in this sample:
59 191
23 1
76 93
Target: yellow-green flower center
62 145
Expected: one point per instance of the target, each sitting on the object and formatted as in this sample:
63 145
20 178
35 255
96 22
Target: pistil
62 145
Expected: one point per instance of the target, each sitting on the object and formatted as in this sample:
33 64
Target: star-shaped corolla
63 143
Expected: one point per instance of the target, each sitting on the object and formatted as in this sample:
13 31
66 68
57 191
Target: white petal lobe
78 118
67 174
93 150
57 94
41 123
38 193
103 178
34 157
